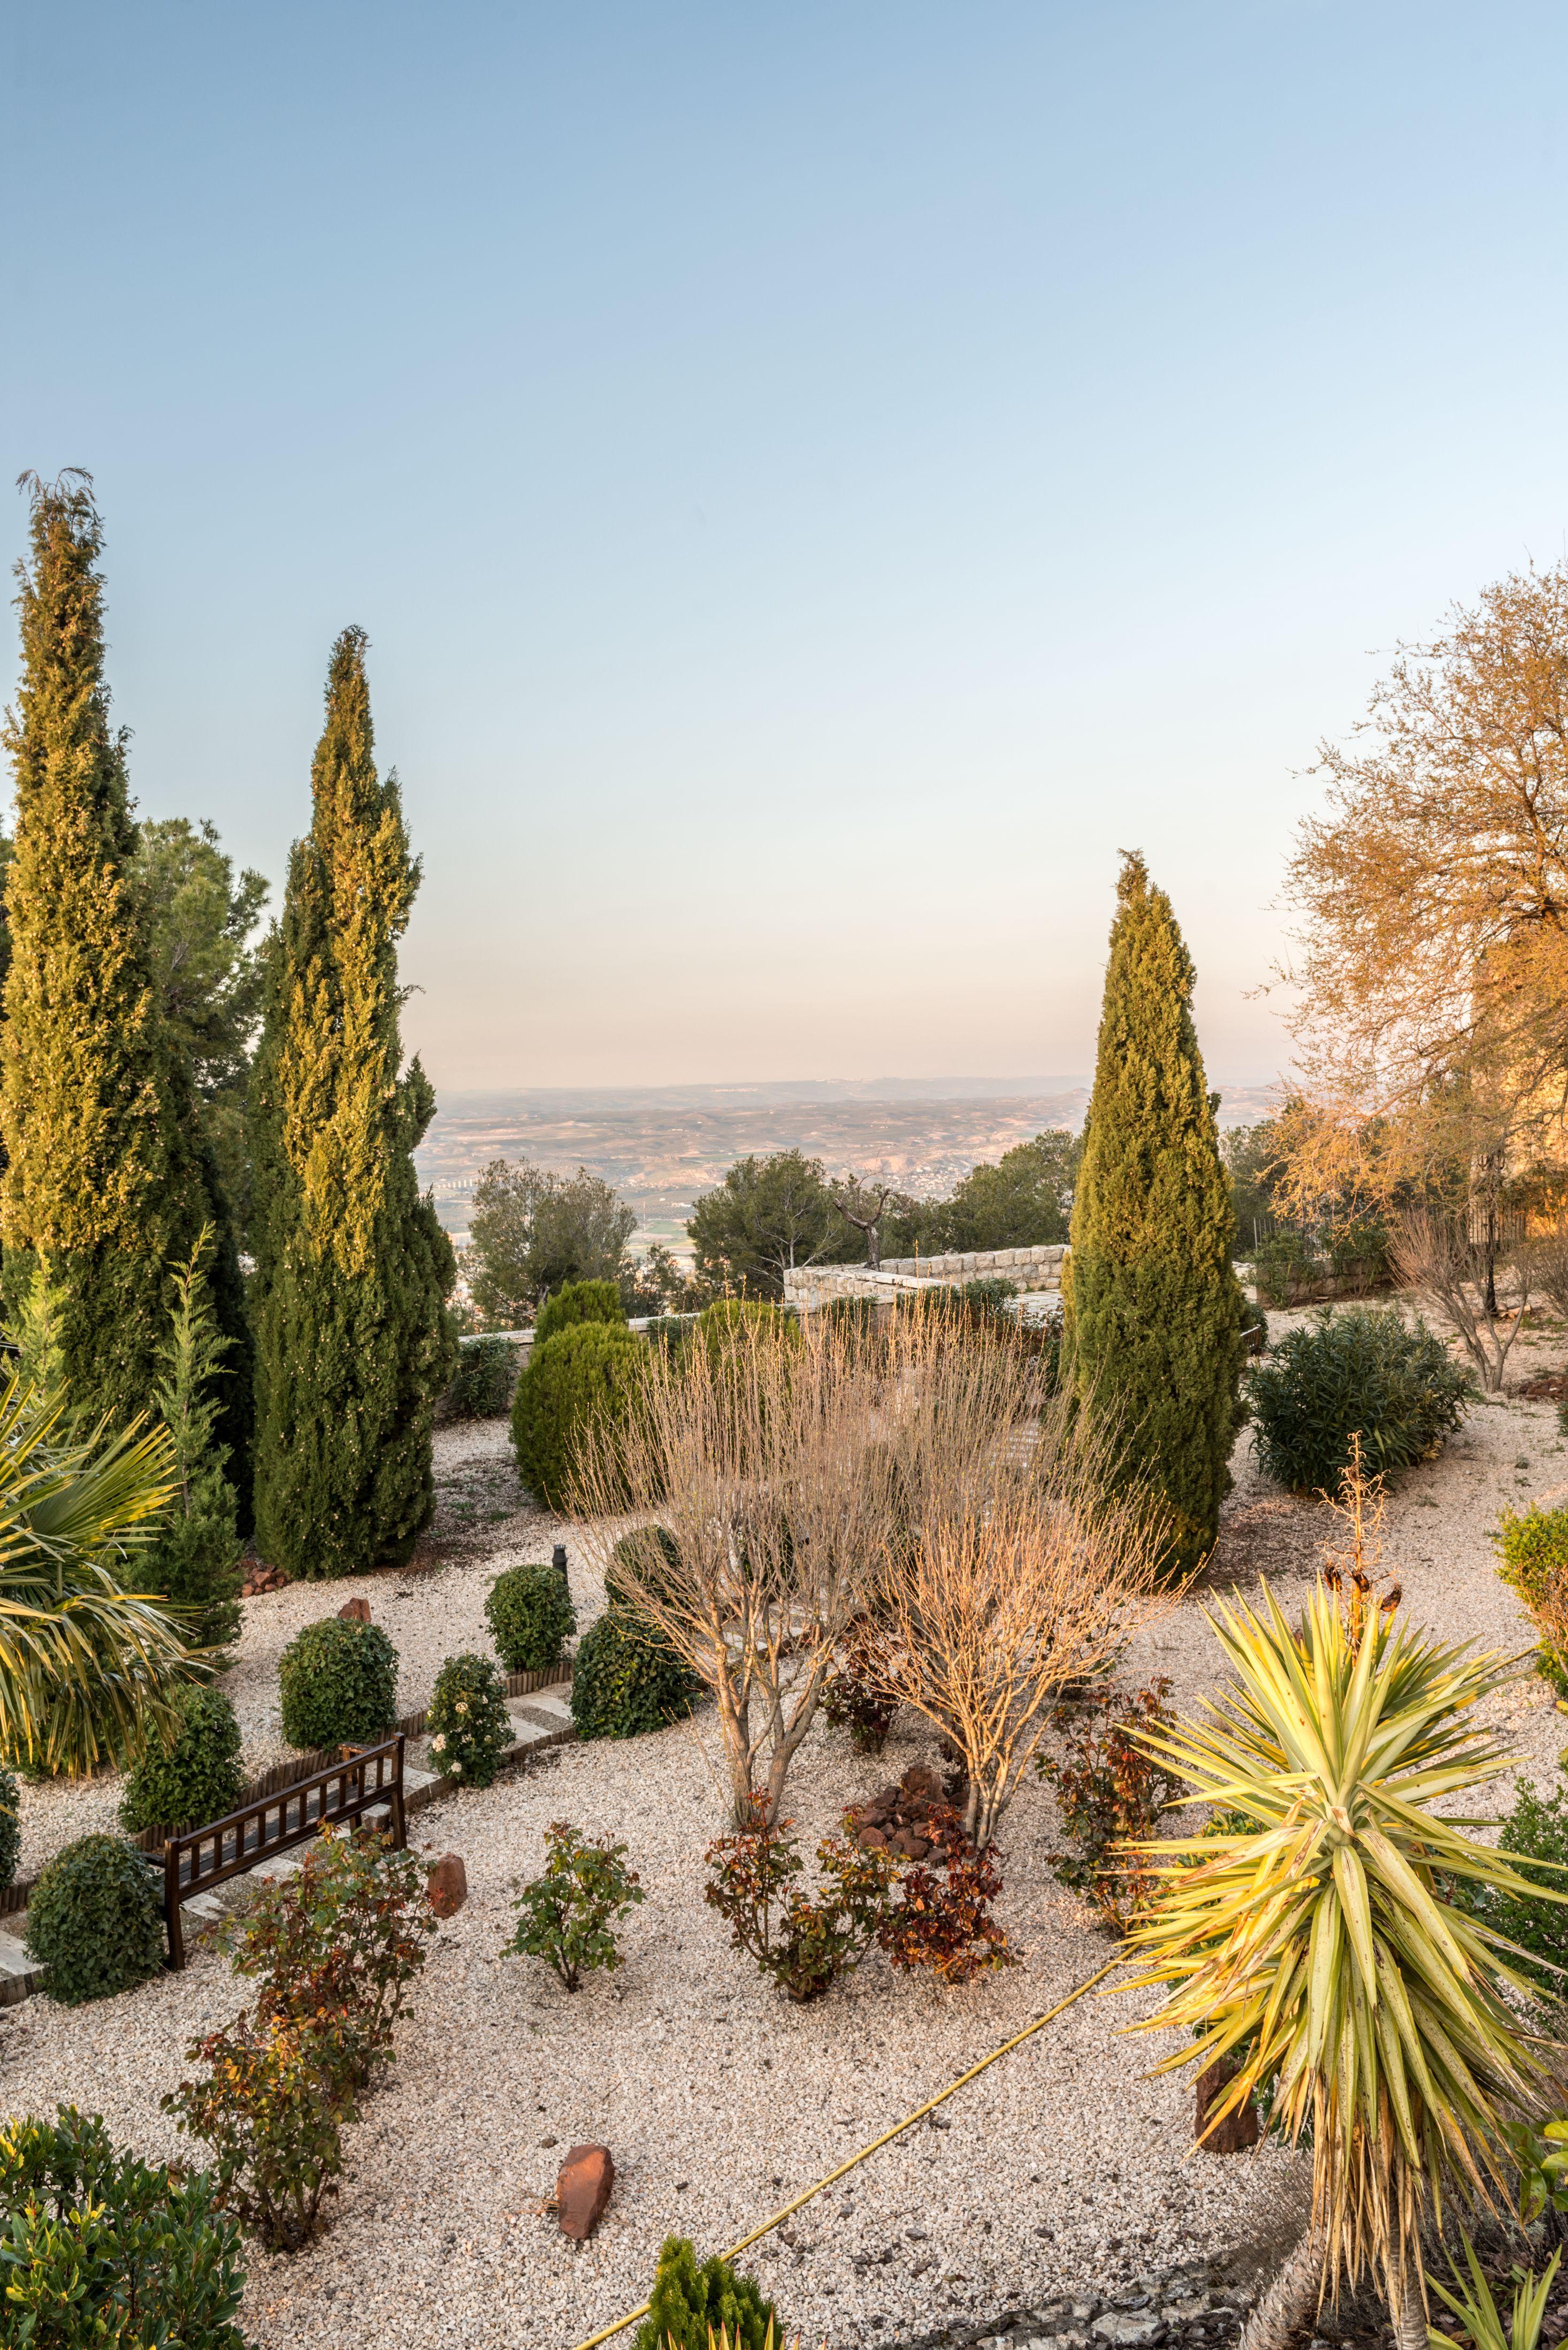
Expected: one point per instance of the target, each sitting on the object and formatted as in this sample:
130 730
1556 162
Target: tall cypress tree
105 1179
353 1340
1153 1305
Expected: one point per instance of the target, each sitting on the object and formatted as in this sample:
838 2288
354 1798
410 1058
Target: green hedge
577 1302
626 1680
195 1780
530 1614
583 1374
482 1384
95 1919
338 1682
1357 1370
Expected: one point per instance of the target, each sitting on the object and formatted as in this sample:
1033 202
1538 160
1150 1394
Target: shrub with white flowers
468 1724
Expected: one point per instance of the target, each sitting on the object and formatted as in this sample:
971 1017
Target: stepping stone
544 1711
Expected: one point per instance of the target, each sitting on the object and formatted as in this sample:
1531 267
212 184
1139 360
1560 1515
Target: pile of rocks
1192 2305
911 1819
259 1578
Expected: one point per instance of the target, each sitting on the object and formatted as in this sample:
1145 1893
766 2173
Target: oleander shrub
95 1919
1358 1371
468 1726
578 1301
627 1679
691 2307
99 2247
338 1683
584 1376
10 1829
568 1916
481 1385
195 1778
531 1617
1533 1559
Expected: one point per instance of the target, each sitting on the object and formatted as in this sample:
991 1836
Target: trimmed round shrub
1359 1371
339 1681
579 1301
197 1779
468 1724
582 1376
95 1919
530 1614
653 1555
10 1829
626 1680
482 1384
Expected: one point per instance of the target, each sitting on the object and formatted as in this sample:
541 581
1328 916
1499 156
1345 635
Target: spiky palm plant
1319 1954
87 1669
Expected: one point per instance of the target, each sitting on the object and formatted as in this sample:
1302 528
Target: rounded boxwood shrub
198 1778
468 1724
530 1614
482 1384
339 1681
627 1679
583 1374
95 1919
653 1555
578 1301
10 1829
1361 1371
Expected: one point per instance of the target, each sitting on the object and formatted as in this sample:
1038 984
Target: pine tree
353 1341
105 1175
194 1561
1153 1305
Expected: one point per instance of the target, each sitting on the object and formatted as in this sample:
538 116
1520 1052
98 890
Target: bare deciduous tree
1435 1256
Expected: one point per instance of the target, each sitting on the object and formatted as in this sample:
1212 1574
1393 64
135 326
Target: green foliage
659 1285
1358 1252
805 1942
1479 2314
1535 1838
582 1374
1109 1791
195 1778
627 1679
95 1919
651 1555
1360 1371
272 2109
690 2307
1284 1264
531 1617
1023 1202
468 1726
193 1561
353 1342
1153 1306
767 1216
10 1829
1252 1160
481 1384
532 1232
100 2247
569 1915
337 1682
579 1301
1254 1327
104 1169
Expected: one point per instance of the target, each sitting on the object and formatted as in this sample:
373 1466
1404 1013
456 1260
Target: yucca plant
1318 1951
87 1669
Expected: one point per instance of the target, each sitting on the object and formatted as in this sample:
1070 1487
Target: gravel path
1062 2165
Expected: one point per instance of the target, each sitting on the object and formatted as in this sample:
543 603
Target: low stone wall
808 1287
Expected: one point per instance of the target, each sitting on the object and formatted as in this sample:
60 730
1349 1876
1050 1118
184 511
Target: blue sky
818 481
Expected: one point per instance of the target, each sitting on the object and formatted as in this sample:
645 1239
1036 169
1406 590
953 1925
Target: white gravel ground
1063 2165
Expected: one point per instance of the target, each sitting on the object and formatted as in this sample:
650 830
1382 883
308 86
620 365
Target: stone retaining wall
808 1287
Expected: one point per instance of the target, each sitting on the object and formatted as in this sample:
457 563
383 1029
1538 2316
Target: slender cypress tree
353 1340
1153 1306
105 1177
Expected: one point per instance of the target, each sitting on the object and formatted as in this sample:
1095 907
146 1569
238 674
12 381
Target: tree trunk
1289 2300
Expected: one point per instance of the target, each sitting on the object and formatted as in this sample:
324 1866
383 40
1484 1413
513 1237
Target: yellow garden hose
918 2115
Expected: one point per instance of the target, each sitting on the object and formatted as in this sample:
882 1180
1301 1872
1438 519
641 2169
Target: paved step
19 1976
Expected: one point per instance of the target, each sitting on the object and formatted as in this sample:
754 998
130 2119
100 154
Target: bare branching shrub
1016 1566
1434 1256
1549 1264
762 1456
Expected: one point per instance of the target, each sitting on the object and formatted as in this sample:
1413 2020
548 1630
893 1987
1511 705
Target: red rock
583 2189
874 1838
1237 2131
920 1785
355 1611
446 1885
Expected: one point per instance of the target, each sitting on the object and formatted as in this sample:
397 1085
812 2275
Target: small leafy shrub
691 2307
95 1919
531 1617
943 1923
1534 1835
1359 1255
195 1780
338 1683
1532 1552
481 1385
97 2247
805 1943
469 1727
627 1679
585 1375
10 1829
651 1554
1358 1372
853 1697
578 1301
1281 1266
1108 1791
569 1915
990 1293
272 2109
343 1938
